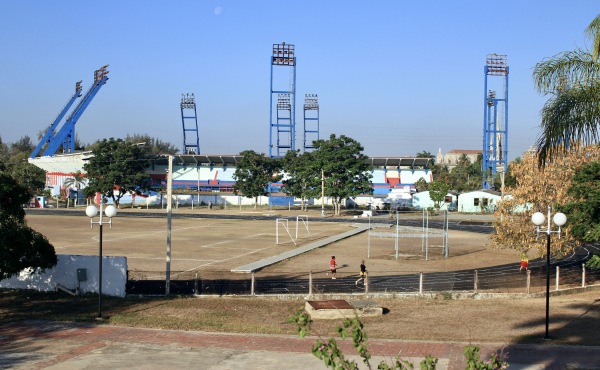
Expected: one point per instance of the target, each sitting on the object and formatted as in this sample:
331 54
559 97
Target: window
476 202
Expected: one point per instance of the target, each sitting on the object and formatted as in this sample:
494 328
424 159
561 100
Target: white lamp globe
559 219
91 211
538 218
110 211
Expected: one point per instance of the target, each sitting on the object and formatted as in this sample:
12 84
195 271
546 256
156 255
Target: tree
20 246
426 154
536 189
572 114
76 181
254 174
304 179
152 146
118 166
345 168
421 185
583 211
437 193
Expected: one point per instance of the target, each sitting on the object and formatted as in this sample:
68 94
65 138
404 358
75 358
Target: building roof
71 163
465 151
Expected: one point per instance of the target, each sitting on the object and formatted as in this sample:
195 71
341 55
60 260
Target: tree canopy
583 210
254 174
345 168
437 192
572 114
118 167
537 188
20 246
303 179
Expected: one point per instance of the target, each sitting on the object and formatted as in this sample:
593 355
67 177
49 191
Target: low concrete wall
114 276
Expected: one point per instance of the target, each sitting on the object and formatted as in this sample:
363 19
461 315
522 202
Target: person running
524 262
332 267
363 273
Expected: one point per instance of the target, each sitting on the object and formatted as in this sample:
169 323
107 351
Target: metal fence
496 280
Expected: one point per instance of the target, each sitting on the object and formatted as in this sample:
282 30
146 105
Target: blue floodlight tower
49 135
311 120
66 136
495 121
190 124
283 100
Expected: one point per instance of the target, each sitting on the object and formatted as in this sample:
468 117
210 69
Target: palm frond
570 117
593 33
575 67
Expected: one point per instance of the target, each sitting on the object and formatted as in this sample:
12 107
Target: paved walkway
52 345
255 266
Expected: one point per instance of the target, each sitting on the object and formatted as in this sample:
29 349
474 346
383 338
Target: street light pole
559 220
91 211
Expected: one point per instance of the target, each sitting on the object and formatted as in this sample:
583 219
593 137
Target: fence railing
309 283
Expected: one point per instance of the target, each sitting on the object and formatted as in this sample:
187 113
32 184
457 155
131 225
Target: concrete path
255 266
52 345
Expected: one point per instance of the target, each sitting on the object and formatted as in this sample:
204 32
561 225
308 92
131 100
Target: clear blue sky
398 76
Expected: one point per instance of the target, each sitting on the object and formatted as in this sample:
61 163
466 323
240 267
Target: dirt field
203 244
219 245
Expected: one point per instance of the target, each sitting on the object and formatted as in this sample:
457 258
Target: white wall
114 275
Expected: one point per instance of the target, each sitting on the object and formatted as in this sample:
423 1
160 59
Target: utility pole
322 193
169 195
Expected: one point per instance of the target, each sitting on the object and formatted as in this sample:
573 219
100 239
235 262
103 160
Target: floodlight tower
189 121
311 120
495 120
282 130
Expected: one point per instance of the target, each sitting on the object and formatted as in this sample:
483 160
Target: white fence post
557 276
252 284
528 281
476 281
310 283
421 282
583 275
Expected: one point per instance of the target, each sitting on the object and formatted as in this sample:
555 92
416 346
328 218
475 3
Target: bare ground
205 245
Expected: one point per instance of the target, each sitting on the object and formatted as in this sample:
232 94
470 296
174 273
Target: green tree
254 174
345 168
20 246
304 179
117 167
421 185
437 192
152 146
466 175
426 154
77 180
441 173
571 115
583 212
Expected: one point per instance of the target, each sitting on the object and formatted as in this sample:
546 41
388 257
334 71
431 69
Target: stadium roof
71 163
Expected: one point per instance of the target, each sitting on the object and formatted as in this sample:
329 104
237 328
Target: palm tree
572 114
76 181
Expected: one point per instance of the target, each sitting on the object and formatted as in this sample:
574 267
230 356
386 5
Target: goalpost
425 233
284 222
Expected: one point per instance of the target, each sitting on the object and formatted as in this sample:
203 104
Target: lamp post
559 220
91 211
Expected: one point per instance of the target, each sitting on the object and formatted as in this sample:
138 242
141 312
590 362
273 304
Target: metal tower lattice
495 119
65 137
189 121
311 120
282 129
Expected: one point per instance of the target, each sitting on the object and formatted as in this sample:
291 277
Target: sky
400 77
